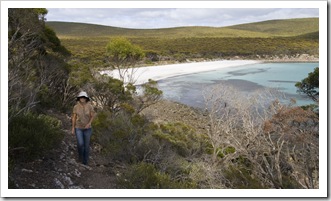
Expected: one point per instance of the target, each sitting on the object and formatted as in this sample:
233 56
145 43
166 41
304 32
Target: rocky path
61 170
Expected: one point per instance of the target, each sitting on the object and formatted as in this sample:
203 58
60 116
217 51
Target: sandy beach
141 75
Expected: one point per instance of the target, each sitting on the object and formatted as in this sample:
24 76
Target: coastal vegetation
238 142
36 75
262 40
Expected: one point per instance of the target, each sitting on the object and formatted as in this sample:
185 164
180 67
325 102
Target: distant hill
288 27
266 29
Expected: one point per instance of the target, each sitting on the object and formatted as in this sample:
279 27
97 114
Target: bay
188 89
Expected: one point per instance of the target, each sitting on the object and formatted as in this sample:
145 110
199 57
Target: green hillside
288 27
69 29
274 28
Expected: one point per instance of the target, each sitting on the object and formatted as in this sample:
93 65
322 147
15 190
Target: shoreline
141 75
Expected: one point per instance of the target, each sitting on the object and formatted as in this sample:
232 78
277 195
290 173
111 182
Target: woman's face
82 100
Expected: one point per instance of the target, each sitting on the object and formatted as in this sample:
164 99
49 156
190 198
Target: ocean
189 89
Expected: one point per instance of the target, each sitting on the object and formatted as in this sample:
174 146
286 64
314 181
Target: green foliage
312 107
151 90
54 42
221 151
146 176
122 49
120 133
80 75
310 85
150 95
31 135
181 137
123 54
290 182
36 62
198 47
41 11
110 93
241 178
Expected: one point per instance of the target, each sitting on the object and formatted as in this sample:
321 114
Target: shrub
181 137
146 176
241 178
119 134
32 135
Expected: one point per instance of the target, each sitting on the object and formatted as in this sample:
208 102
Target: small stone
25 170
77 173
86 166
58 183
68 180
75 187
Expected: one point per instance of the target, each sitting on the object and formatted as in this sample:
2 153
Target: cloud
174 17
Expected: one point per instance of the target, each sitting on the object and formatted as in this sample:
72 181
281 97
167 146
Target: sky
149 18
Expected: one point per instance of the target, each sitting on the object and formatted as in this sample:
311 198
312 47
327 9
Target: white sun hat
83 94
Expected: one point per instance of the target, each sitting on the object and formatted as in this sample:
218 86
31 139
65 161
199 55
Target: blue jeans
83 143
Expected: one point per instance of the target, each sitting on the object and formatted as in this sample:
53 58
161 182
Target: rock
86 166
77 173
62 156
75 187
58 183
25 170
68 180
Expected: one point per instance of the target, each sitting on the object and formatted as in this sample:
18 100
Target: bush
119 134
32 135
242 178
181 137
146 176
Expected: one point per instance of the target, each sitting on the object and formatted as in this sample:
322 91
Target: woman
82 117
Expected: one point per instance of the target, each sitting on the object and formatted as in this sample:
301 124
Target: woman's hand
88 125
73 131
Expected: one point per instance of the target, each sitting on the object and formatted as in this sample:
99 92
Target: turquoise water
188 89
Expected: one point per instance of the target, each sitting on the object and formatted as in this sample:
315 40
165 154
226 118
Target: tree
109 93
150 95
251 136
309 85
36 66
123 56
36 71
24 49
296 130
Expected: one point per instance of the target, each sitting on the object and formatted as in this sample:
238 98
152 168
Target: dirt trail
60 169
